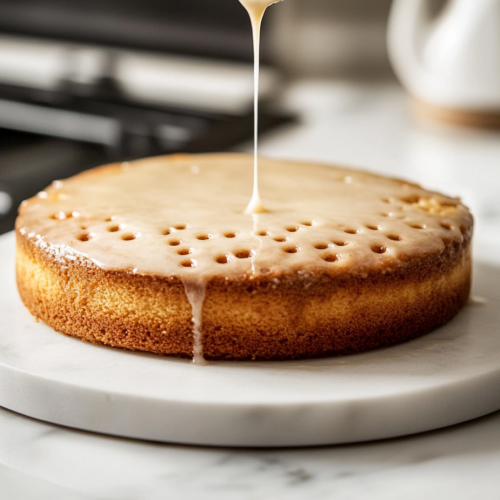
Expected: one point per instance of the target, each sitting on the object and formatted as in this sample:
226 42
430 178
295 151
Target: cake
158 255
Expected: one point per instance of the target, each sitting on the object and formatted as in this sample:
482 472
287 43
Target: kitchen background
84 82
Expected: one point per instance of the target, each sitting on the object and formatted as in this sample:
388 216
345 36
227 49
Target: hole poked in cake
263 233
244 253
116 227
351 231
321 246
204 236
230 234
170 230
378 248
292 229
373 227
85 236
394 237
174 243
281 239
307 223
331 257
223 259
110 219
184 251
130 236
446 225
291 249
340 243
188 263
417 225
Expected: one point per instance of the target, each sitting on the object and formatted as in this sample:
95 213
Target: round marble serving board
446 377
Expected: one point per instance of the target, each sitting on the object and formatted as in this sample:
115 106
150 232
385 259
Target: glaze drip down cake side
158 255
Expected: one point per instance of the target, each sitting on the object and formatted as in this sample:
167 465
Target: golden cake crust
249 315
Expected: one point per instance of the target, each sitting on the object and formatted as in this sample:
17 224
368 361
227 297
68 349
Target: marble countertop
460 462
369 126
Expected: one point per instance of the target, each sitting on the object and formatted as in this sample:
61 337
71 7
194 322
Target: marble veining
459 462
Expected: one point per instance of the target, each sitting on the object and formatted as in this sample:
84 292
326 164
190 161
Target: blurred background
84 82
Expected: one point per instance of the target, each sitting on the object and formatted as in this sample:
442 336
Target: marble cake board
446 377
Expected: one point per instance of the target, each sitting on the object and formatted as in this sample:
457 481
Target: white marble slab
443 378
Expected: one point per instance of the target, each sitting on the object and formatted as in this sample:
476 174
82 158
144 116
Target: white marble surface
358 126
457 463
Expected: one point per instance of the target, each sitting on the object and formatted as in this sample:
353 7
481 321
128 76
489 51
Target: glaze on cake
343 261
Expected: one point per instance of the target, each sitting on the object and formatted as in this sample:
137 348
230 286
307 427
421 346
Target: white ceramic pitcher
450 62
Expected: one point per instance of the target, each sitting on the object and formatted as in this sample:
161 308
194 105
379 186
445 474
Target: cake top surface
184 216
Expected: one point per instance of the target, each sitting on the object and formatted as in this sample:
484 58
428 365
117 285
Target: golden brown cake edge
299 317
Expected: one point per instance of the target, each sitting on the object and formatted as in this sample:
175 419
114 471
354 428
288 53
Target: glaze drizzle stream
195 293
256 9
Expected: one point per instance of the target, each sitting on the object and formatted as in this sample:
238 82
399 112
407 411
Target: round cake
159 255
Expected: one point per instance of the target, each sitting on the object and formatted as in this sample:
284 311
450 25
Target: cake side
297 317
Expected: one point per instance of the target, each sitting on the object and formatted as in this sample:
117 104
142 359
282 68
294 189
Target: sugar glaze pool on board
443 378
